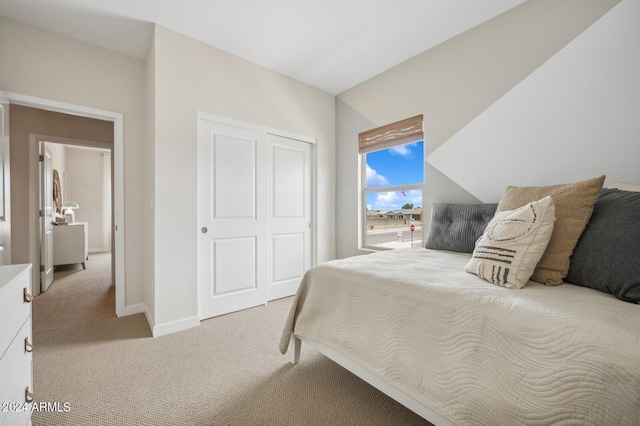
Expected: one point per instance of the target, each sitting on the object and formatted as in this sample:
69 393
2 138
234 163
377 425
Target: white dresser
16 385
71 243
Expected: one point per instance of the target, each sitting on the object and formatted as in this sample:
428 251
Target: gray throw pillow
457 227
607 255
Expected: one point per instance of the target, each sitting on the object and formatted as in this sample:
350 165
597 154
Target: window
392 183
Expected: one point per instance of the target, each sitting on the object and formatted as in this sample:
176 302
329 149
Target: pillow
457 227
634 187
513 243
573 204
607 257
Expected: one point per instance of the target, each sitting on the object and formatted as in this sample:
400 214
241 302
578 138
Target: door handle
204 230
308 225
28 396
28 347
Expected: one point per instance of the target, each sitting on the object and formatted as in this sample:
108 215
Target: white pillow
513 243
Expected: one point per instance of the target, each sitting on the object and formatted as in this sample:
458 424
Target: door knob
308 225
204 230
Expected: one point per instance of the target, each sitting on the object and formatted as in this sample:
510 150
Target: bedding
574 205
606 257
471 351
513 243
457 227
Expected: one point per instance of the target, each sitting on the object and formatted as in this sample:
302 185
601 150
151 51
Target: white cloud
373 179
403 150
387 200
414 197
394 200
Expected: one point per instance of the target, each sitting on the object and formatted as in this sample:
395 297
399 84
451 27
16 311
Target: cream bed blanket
472 351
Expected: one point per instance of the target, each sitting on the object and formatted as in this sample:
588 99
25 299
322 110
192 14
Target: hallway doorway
24 145
82 178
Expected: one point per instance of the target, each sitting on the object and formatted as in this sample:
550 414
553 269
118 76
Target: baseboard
99 250
172 327
135 309
150 321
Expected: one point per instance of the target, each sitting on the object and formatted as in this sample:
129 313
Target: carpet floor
104 370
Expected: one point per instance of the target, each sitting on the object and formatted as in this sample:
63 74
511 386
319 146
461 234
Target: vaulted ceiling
332 45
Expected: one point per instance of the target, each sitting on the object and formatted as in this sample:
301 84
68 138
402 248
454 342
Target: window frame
364 192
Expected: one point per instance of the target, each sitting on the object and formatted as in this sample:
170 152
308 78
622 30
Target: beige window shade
398 133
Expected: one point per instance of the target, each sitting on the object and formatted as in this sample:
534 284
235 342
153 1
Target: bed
458 349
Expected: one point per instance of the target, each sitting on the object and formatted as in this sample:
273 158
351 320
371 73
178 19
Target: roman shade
398 133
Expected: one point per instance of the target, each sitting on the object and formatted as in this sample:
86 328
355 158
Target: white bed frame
375 381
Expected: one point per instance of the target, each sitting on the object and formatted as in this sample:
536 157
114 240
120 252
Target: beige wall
190 77
85 186
451 84
27 125
149 183
50 66
82 177
573 118
58 160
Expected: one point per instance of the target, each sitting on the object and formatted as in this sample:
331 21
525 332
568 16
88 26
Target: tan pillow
633 187
574 205
512 244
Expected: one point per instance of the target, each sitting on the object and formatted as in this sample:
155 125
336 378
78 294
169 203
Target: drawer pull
27 297
28 347
28 396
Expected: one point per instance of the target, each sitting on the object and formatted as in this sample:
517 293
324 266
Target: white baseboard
147 315
172 327
99 250
135 309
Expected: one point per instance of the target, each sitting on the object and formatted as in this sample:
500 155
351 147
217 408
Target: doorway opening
76 210
27 147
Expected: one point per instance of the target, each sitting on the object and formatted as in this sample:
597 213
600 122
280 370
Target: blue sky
400 165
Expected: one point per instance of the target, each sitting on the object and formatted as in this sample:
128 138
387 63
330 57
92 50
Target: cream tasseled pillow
574 205
513 243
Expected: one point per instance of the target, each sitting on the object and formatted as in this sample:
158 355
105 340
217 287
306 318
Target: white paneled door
46 217
232 199
253 217
290 214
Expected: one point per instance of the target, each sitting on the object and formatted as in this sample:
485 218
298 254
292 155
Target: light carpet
228 371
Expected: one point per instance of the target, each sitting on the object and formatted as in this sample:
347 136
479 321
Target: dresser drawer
14 310
20 414
16 371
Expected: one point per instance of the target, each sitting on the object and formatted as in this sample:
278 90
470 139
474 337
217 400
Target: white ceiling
332 45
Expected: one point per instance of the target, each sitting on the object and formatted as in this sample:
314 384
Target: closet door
290 214
232 218
254 216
